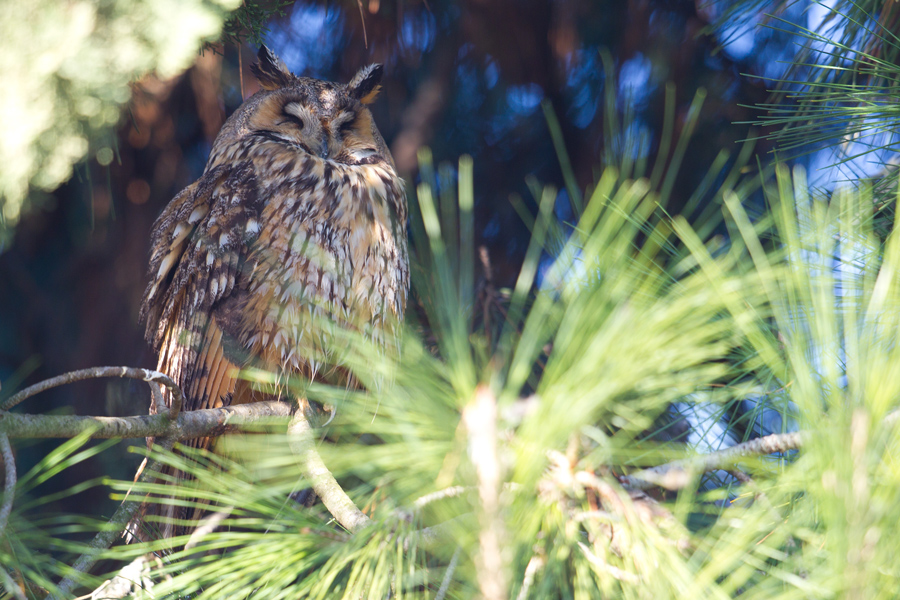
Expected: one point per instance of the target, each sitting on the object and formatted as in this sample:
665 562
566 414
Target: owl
297 226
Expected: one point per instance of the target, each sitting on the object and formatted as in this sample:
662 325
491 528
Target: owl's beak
323 149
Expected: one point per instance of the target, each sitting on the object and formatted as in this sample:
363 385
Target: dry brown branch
191 424
147 375
480 418
676 474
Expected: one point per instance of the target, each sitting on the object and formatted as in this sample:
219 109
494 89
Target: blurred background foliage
72 65
545 96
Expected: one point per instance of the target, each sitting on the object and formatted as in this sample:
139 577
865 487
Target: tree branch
134 575
9 487
167 427
448 576
451 492
323 482
172 425
534 565
480 418
676 474
9 492
441 534
339 504
147 375
11 586
189 424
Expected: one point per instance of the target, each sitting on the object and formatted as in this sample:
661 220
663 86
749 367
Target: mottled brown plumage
297 225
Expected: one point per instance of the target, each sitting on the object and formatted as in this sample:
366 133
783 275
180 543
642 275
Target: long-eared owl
297 223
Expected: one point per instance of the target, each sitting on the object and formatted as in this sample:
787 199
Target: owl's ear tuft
366 84
271 71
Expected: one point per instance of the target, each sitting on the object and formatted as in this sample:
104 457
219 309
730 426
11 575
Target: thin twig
147 375
113 530
534 565
607 568
9 493
676 474
207 422
208 525
450 492
480 418
10 586
740 476
441 534
341 507
9 487
132 576
454 491
448 576
240 70
323 482
362 18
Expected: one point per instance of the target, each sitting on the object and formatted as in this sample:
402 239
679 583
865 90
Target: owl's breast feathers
260 257
331 252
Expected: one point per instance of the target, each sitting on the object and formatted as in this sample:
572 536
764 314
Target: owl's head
321 118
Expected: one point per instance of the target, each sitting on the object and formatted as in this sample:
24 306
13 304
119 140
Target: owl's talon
332 410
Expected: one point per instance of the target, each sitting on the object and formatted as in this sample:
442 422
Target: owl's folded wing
197 282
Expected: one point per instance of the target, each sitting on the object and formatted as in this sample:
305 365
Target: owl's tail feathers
198 357
156 516
172 507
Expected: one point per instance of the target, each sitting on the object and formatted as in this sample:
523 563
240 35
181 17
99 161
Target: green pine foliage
634 311
250 22
488 447
840 89
38 547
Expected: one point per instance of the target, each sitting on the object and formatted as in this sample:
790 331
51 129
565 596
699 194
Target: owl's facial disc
292 120
299 124
350 137
320 120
